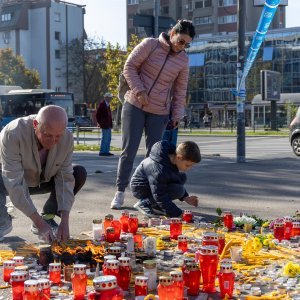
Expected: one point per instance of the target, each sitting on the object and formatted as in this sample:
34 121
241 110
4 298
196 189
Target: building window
133 2
58 89
6 17
190 6
203 3
57 54
202 20
227 19
57 35
57 17
58 72
165 10
227 3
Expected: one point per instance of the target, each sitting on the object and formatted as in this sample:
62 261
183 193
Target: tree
115 59
14 72
84 70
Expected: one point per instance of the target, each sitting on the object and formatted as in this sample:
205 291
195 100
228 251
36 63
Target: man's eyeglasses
183 43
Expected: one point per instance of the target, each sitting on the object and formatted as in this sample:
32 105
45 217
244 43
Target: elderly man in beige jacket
36 158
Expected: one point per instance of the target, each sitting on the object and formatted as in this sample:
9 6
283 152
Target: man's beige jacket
21 166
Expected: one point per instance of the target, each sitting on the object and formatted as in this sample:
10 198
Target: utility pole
156 17
240 107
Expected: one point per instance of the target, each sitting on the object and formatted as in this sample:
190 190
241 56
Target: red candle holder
54 272
107 222
226 279
221 242
44 287
8 268
138 241
19 260
296 229
228 220
105 259
106 288
210 239
133 223
193 282
278 231
141 286
79 281
110 235
185 272
117 226
31 290
208 264
175 228
288 226
124 273
17 282
182 243
178 284
187 216
165 288
112 268
124 220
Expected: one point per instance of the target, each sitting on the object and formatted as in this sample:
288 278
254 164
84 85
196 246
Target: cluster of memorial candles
117 269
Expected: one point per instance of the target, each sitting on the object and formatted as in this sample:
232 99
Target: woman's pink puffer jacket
141 70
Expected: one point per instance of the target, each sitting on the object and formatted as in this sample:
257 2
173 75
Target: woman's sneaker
118 200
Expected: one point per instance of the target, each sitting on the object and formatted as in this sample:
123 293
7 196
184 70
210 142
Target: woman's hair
184 27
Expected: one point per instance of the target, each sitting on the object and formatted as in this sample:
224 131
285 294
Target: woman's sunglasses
183 43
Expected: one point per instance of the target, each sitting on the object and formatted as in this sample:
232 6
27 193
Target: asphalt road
266 185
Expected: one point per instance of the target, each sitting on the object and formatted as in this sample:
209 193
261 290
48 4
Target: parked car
295 133
82 122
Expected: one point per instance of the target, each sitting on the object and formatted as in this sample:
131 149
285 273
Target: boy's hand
191 200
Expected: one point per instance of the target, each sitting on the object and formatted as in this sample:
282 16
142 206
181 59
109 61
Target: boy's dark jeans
175 191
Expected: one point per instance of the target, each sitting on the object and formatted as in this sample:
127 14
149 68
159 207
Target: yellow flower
270 236
266 224
291 269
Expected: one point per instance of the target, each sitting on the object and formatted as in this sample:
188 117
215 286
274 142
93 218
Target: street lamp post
240 100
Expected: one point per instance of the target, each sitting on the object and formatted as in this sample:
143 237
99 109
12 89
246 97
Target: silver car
295 133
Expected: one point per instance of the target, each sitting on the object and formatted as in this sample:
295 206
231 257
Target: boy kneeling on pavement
159 179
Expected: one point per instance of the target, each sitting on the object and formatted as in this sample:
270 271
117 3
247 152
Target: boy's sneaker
118 200
5 228
144 207
51 222
158 211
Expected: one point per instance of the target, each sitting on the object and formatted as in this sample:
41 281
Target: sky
106 19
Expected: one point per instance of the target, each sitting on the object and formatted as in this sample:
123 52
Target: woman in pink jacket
157 72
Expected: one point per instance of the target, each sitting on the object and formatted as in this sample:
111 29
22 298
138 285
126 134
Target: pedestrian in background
104 120
152 70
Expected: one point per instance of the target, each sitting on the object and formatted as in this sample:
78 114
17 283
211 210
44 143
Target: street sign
147 21
270 85
262 2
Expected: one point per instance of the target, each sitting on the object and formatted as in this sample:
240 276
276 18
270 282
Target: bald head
52 114
50 125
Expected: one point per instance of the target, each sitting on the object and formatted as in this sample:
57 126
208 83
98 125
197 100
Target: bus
24 102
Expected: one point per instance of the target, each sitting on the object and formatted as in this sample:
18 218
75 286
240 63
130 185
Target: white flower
244 220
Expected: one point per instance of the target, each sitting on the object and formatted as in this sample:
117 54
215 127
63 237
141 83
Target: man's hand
191 200
142 98
44 229
63 233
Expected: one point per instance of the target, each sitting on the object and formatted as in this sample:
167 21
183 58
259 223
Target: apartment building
41 31
210 17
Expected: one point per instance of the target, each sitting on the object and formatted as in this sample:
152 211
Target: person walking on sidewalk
154 68
36 158
104 120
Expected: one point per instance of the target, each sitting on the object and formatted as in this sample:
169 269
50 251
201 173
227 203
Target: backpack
123 86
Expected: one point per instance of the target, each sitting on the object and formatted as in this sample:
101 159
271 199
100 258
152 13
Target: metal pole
156 16
240 100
